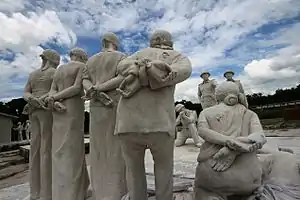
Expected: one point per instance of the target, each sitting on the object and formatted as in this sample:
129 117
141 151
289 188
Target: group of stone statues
131 110
21 128
207 97
207 89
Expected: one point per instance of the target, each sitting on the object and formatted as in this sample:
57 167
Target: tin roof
7 115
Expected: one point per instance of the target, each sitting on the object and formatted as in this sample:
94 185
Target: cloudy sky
258 39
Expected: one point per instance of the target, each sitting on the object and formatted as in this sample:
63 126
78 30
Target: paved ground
184 164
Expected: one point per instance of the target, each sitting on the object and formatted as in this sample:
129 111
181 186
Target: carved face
205 76
228 76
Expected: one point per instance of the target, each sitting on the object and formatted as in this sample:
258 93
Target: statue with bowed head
145 113
227 162
69 173
188 119
40 116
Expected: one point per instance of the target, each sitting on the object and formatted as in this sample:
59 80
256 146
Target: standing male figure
146 119
20 131
229 77
28 129
188 119
99 78
36 90
206 91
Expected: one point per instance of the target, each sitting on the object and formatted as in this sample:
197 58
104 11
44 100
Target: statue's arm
214 83
256 130
181 69
28 89
209 135
241 88
53 89
199 91
86 80
115 82
73 90
178 120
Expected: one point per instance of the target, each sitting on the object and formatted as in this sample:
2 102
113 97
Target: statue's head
27 121
179 107
205 75
161 38
110 40
228 75
228 93
78 54
19 123
50 58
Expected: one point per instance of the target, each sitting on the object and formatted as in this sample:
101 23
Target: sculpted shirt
152 110
39 82
101 68
206 92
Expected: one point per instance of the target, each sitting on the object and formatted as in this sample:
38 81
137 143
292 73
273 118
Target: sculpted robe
69 176
107 164
206 93
40 178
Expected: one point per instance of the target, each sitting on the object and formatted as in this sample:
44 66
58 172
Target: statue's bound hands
35 102
223 159
91 92
238 145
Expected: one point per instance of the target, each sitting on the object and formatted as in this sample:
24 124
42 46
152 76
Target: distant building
5 127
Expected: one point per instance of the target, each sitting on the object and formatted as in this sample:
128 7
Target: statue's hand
91 92
59 107
35 102
253 144
236 145
224 161
49 101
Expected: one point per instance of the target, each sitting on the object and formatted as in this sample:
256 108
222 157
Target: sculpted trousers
40 176
108 177
161 146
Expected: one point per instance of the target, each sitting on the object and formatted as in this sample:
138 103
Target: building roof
7 115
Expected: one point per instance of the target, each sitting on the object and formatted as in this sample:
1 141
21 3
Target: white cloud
11 5
203 30
21 36
19 33
280 71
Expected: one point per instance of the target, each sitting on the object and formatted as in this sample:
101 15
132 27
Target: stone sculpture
227 162
229 77
206 91
146 119
69 173
36 90
188 119
20 131
28 129
108 176
281 181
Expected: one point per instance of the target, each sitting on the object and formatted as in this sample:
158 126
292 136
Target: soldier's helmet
51 55
111 37
179 107
78 52
161 37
